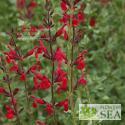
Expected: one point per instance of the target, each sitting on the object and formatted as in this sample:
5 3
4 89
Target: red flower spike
80 16
60 31
14 67
92 22
35 66
79 62
59 74
65 34
9 112
11 54
45 84
30 52
82 81
32 30
22 76
74 21
59 55
34 104
2 90
64 103
37 101
63 6
63 85
8 60
36 84
49 109
32 4
65 18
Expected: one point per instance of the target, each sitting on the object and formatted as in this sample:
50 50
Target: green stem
70 64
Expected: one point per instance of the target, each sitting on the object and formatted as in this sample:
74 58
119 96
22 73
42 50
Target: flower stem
14 105
70 64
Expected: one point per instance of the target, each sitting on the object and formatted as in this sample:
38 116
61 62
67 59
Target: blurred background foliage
105 63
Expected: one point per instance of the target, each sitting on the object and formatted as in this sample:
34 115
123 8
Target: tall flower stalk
60 83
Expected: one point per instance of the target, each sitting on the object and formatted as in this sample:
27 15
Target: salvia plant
50 93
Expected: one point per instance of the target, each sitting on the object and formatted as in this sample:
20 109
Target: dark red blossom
41 81
63 6
12 54
37 101
62 85
92 22
81 80
65 18
64 103
59 55
9 112
2 90
79 62
32 30
14 67
22 76
35 67
65 34
49 109
40 49
59 74
59 31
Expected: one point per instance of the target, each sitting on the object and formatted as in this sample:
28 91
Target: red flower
65 18
30 52
14 67
49 109
59 74
2 90
22 76
63 85
45 84
81 80
64 103
65 34
92 22
41 48
9 112
35 66
63 6
37 101
11 54
74 21
59 55
32 30
80 16
34 104
41 81
32 4
59 31
8 59
79 62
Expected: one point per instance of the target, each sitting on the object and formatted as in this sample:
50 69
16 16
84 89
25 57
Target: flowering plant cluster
60 80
